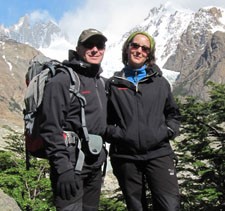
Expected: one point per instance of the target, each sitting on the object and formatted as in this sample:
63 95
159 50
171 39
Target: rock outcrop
7 203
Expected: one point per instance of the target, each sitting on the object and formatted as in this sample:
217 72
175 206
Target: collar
135 75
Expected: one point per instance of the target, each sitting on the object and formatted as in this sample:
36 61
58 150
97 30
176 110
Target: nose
94 48
139 49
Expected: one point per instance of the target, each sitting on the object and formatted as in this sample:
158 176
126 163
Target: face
138 51
92 50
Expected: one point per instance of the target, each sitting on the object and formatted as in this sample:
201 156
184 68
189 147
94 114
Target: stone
7 203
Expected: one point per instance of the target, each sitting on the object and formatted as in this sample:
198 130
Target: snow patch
9 64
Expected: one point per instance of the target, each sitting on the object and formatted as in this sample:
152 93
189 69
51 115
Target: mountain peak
23 22
33 30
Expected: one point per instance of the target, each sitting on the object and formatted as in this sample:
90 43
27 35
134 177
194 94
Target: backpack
41 70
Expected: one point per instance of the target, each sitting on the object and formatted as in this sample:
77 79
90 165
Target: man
74 191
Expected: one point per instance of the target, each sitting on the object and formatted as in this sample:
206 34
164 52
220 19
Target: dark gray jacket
142 118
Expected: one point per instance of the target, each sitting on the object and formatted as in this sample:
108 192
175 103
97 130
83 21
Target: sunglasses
136 46
90 45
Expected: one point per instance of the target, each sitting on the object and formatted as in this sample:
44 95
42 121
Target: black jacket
59 113
141 118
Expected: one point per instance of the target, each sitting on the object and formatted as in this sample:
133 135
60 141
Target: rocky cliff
14 60
200 55
205 64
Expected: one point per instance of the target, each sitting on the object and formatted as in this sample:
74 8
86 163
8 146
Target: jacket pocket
155 137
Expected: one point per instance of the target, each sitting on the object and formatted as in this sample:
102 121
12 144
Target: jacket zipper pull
137 87
136 80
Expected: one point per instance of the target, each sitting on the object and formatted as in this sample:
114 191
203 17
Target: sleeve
54 109
113 130
172 115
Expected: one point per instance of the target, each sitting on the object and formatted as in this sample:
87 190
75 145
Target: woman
142 118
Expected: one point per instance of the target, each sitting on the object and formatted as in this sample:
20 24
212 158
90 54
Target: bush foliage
201 152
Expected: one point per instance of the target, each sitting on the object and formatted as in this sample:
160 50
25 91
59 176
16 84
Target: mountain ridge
37 34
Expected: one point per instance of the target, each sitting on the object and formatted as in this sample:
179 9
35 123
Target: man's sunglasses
143 47
90 45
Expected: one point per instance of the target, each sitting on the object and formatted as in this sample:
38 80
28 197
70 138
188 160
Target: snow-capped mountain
183 38
38 34
166 25
200 55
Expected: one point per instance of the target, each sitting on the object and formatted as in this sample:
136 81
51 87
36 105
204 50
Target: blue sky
112 17
12 10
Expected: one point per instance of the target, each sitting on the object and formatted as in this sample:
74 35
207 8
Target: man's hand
67 185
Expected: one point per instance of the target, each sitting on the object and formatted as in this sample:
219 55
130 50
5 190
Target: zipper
144 79
98 95
136 79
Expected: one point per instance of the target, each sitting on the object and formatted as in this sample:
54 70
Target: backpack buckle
70 137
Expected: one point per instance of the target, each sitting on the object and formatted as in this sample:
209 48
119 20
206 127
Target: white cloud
195 5
113 18
116 17
40 15
58 49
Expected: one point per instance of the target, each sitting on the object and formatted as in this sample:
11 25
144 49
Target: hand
67 185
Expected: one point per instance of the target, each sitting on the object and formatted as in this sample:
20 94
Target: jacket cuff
171 133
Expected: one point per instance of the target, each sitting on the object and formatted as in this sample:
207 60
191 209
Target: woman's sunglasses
143 47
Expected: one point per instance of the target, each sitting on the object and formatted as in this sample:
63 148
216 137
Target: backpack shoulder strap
74 79
75 91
